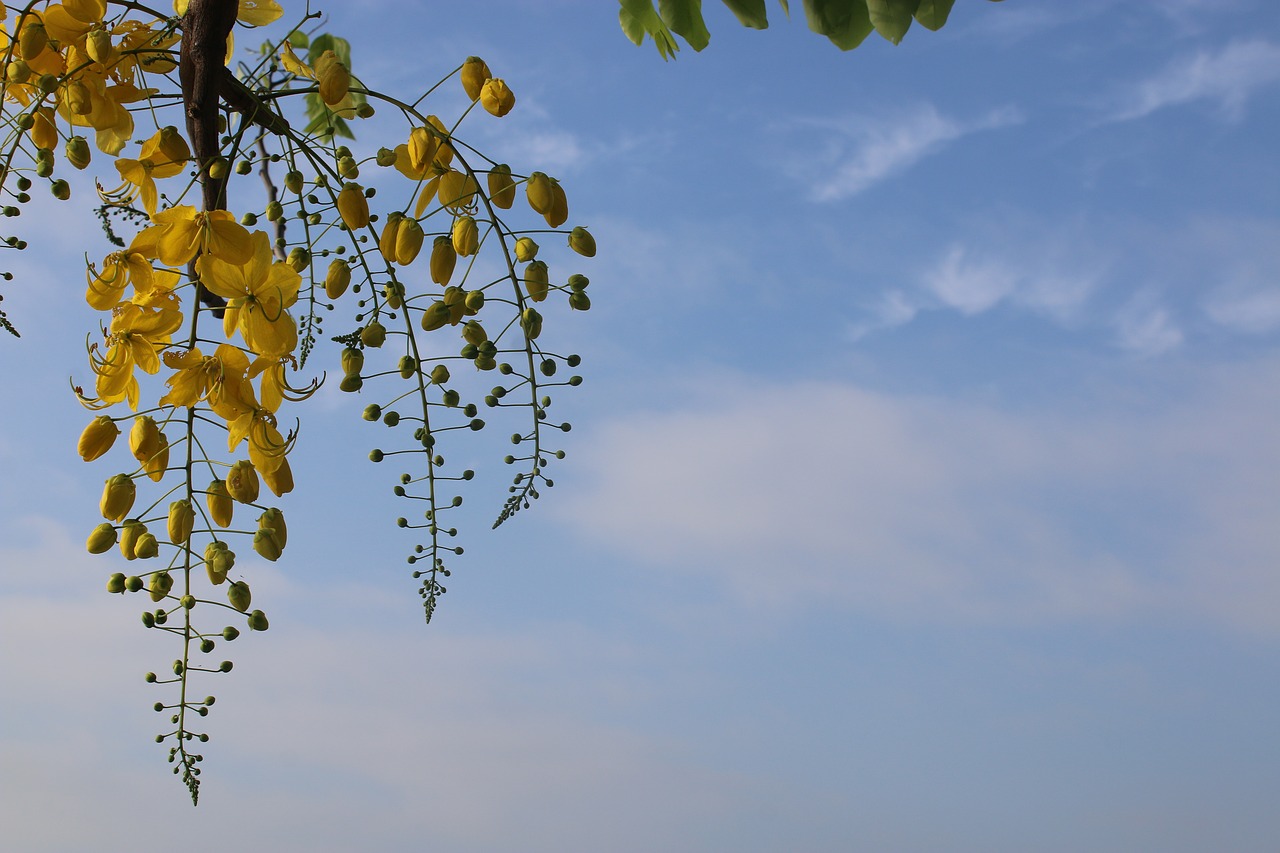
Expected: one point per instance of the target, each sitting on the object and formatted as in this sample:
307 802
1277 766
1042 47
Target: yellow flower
220 379
255 13
267 447
163 156
185 232
258 290
275 388
137 332
106 289
333 77
293 64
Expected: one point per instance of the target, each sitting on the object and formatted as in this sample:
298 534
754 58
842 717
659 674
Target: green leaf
845 22
299 40
750 13
684 17
933 13
631 26
786 7
340 47
892 18
649 23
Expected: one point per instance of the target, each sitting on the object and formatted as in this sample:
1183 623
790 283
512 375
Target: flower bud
161 583
353 207
98 46
352 360
526 249
385 157
393 292
474 302
387 240
536 280
473 333
540 192
101 540
33 39
129 534
238 596
466 236
274 519
409 239
258 621
218 560
242 482
78 153
531 322
182 518
115 583
97 438
373 335
17 72
293 181
146 546
559 211
221 507
440 374
496 97
581 241
436 316
457 190
144 438
474 74
299 259
407 367
337 278
267 544
158 463
502 188
79 101
443 259
117 497
333 77
279 481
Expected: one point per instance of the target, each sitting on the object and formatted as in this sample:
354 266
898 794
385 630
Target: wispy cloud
937 509
1252 312
861 151
1228 77
972 281
1147 328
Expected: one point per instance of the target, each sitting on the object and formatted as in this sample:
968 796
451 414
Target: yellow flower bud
440 374
182 518
239 596
409 239
267 544
97 438
536 281
333 77
496 97
279 481
387 242
443 260
78 98
337 278
221 507
144 438
258 621
299 259
466 236
502 187
173 146
473 333
435 317
161 583
218 560
242 482
353 207
581 241
393 292
158 463
33 39
17 72
78 153
373 335
129 534
540 192
526 249
117 497
474 74
531 322
98 46
559 211
352 360
102 539
146 546
274 519
293 181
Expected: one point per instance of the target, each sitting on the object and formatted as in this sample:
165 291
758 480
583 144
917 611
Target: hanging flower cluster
208 315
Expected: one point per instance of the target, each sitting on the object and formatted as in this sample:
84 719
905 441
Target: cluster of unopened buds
207 314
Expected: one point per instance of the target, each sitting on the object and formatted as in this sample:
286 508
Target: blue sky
921 495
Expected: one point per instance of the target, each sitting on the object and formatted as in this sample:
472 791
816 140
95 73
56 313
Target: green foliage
845 22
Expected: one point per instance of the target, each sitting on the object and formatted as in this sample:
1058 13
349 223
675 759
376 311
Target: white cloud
969 287
861 151
1228 77
828 495
1251 312
1147 329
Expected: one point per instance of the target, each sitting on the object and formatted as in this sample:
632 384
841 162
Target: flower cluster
208 314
